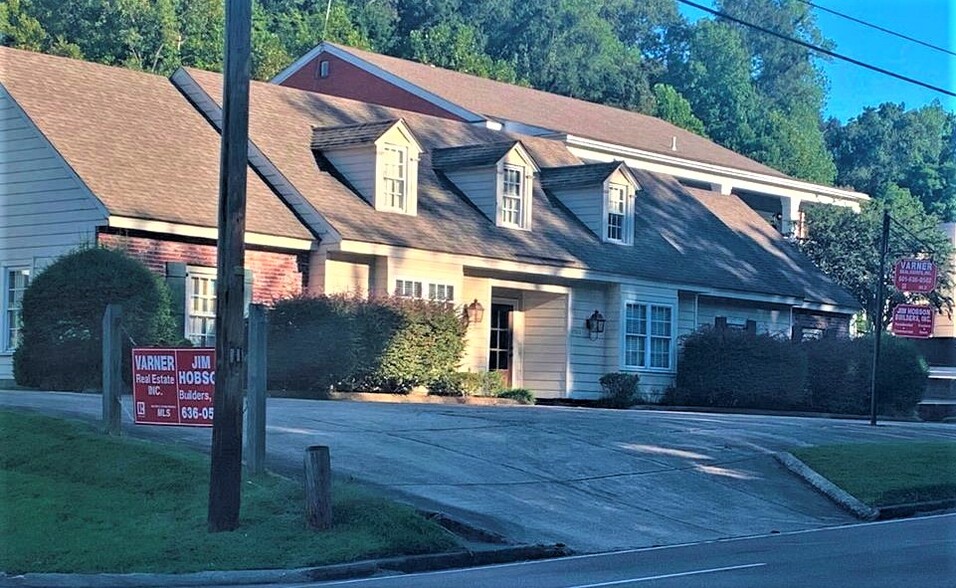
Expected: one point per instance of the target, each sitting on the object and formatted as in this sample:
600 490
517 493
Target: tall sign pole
878 312
225 478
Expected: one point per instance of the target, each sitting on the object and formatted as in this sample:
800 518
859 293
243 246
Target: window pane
634 351
512 197
394 172
660 352
661 321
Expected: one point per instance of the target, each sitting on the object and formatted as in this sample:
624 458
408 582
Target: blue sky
853 87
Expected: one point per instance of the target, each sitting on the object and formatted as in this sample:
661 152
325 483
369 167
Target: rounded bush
61 345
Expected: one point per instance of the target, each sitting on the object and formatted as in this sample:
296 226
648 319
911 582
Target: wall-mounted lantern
594 324
474 312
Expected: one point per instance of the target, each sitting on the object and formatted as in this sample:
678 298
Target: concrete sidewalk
595 480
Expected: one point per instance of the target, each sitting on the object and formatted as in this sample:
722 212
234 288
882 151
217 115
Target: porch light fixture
594 324
474 312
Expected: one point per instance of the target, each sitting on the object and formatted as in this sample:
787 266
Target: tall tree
19 29
671 106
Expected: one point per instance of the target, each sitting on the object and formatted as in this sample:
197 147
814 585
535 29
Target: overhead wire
818 49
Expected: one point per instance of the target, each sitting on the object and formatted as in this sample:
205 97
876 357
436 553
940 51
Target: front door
501 348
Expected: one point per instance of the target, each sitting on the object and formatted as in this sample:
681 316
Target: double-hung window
648 336
201 308
395 177
16 280
616 213
512 197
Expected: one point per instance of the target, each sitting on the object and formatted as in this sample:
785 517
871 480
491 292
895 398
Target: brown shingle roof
470 155
569 176
357 134
499 100
139 146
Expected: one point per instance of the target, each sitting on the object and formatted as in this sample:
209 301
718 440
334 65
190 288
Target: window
648 336
16 281
512 197
408 289
616 212
394 165
323 70
441 292
201 308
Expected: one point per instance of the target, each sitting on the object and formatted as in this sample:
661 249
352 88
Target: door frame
516 326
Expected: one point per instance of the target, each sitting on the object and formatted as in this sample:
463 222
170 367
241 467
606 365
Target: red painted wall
275 275
348 81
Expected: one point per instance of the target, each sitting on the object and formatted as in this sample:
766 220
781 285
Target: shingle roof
470 155
681 236
356 134
499 100
140 147
570 176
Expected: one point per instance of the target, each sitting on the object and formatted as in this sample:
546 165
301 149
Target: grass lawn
73 500
883 474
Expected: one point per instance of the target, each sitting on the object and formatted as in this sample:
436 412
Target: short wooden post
318 487
256 392
112 369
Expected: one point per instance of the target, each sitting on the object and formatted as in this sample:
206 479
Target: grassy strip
883 474
76 501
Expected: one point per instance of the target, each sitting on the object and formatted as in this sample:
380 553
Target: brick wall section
275 275
834 325
347 81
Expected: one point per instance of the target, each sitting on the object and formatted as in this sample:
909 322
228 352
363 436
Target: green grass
883 474
74 500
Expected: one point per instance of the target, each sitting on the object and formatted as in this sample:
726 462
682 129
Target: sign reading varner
174 386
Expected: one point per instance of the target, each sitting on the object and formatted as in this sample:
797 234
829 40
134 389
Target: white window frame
6 345
523 199
403 167
424 289
435 287
648 337
418 285
200 339
627 220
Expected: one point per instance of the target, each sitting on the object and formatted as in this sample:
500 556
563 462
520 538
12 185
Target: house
582 266
593 132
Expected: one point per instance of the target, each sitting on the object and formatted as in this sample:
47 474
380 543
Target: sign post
174 386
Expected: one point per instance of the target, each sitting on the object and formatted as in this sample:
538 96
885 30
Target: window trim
418 281
406 168
672 356
208 273
627 227
524 212
4 308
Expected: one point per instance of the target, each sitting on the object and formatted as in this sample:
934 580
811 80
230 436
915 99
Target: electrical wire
877 27
819 49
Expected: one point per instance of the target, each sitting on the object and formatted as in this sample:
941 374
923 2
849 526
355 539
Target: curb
841 497
361 569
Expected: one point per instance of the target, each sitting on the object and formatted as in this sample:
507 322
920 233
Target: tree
675 109
19 29
457 46
845 245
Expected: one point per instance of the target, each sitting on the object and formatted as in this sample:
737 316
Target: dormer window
616 212
601 195
512 197
395 173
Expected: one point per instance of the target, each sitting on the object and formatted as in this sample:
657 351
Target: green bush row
728 368
350 343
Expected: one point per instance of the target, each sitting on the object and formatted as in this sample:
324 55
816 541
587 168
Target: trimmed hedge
349 343
468 384
619 389
62 312
735 369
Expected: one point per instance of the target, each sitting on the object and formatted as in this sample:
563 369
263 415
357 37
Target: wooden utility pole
878 313
225 480
112 369
256 392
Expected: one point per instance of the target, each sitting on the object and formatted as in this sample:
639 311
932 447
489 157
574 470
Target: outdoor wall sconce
474 312
595 325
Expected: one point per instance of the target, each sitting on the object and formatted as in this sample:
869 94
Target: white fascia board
569 273
197 232
724 172
378 72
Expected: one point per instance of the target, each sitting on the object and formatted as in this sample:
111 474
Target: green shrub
733 368
468 384
619 389
383 345
62 313
522 395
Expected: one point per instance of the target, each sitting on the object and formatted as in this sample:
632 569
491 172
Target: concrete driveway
596 480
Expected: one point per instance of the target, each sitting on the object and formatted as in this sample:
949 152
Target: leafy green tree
201 33
845 245
457 46
19 29
671 106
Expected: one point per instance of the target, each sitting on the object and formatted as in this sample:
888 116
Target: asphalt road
912 552
595 480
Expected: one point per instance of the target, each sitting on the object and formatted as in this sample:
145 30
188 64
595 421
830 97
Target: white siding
479 334
545 360
480 185
45 209
587 204
770 318
686 313
591 359
425 271
357 165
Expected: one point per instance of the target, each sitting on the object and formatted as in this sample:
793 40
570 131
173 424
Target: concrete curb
361 569
841 497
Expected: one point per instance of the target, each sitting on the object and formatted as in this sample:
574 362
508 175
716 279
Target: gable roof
589 174
141 148
467 156
345 135
681 236
501 101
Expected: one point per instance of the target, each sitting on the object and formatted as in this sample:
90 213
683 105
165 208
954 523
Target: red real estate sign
174 386
914 275
913 320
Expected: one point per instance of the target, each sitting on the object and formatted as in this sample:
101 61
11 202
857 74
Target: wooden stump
318 487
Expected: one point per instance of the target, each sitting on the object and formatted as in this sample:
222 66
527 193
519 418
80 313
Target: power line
877 27
819 49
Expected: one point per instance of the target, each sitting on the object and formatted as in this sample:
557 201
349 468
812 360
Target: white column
791 215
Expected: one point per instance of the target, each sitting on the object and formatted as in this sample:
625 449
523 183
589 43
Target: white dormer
601 195
498 178
379 160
